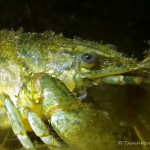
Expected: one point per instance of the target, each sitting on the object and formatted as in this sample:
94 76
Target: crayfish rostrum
40 76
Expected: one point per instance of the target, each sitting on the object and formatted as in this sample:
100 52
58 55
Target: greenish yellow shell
23 56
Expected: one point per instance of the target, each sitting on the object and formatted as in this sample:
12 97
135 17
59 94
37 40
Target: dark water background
124 23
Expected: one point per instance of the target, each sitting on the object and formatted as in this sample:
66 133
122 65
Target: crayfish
40 76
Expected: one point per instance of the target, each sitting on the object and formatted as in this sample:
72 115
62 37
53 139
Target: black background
124 23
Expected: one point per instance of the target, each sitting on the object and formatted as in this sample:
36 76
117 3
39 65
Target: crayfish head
99 61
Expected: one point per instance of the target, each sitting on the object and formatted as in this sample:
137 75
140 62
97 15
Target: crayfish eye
88 59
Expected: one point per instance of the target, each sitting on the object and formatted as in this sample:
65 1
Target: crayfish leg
4 121
41 130
16 123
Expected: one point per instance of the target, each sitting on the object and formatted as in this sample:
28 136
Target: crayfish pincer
76 123
41 76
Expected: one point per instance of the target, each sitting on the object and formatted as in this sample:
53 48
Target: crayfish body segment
39 76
